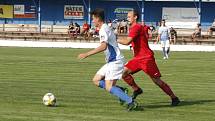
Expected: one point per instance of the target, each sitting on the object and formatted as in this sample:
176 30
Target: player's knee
157 81
125 75
96 82
108 88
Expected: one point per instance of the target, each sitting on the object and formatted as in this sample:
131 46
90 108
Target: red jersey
140 43
146 29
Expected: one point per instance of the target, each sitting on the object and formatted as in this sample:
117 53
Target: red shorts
149 66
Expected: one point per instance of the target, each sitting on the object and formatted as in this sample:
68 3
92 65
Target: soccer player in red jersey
143 59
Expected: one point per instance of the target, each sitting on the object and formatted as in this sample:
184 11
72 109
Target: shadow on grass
195 102
57 106
139 108
182 103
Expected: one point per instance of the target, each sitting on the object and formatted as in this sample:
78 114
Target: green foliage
26 74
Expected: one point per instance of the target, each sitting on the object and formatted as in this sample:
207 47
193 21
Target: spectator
71 29
77 29
212 28
21 28
91 31
85 29
153 33
109 23
114 26
197 32
158 24
173 36
152 28
94 32
122 27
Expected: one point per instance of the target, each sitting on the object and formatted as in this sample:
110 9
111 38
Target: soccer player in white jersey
108 74
163 37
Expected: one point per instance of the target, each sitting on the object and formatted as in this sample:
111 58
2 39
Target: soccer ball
49 99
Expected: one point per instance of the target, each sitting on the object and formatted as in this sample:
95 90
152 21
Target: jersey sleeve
103 36
134 32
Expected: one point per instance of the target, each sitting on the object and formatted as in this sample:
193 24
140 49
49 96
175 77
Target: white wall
14 43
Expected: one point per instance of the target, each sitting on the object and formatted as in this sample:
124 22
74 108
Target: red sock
165 87
130 81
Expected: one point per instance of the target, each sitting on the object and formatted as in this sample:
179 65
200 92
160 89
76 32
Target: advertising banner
6 11
24 11
19 9
73 12
180 17
121 13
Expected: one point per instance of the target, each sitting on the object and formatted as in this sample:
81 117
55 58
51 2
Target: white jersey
164 33
112 52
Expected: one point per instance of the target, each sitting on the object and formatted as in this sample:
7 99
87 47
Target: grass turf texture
26 74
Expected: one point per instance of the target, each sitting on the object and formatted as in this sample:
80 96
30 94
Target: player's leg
163 49
125 90
150 68
167 89
130 68
164 86
113 89
114 73
167 45
110 86
127 77
98 79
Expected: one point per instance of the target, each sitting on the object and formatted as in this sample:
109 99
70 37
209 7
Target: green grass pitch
26 74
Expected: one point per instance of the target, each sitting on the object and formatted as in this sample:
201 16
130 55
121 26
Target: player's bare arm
99 49
124 40
158 38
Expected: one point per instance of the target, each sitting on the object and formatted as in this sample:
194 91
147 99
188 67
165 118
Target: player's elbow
127 43
124 43
103 47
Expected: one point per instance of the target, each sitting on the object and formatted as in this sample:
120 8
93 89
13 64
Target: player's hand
82 56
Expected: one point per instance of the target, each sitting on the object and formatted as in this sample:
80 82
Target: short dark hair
136 13
163 20
99 12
